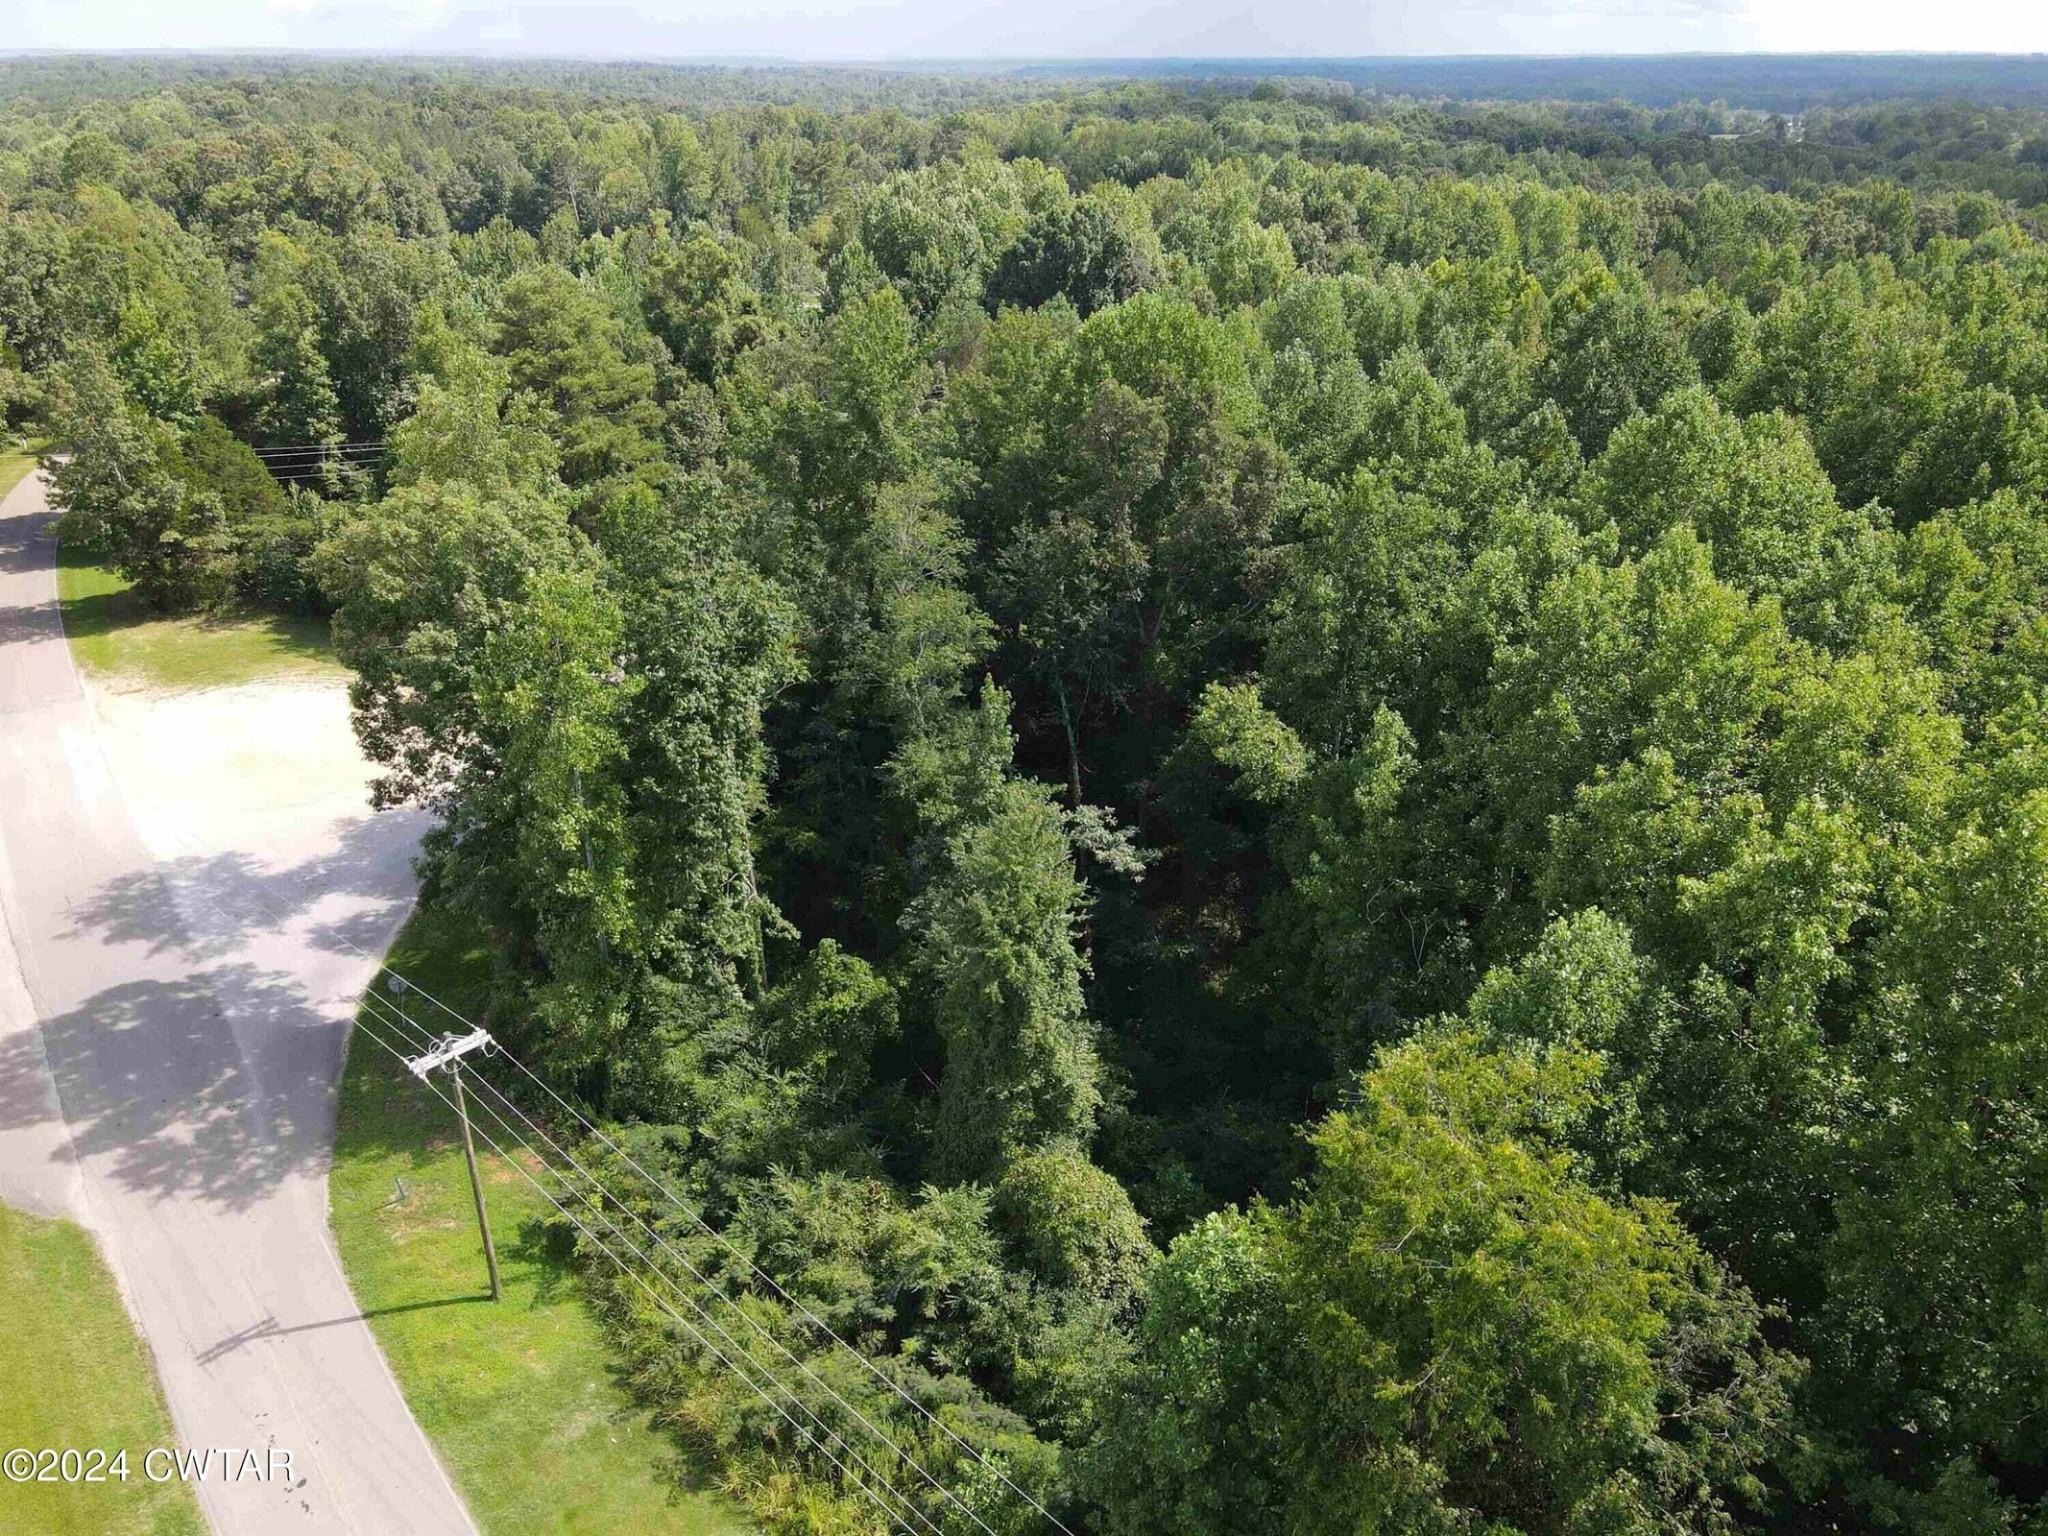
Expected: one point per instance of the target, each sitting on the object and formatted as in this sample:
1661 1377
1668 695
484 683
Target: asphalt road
173 1014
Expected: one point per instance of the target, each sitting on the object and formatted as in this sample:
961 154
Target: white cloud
2001 26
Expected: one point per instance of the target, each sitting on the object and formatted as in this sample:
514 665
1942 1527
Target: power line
769 1280
597 1208
738 1348
337 456
697 1219
717 1290
393 1017
720 1238
306 461
846 1477
361 442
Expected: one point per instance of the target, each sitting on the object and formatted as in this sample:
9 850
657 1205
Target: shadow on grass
386 1110
270 1328
548 1243
96 601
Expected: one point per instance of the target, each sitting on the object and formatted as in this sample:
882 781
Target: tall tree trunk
1059 689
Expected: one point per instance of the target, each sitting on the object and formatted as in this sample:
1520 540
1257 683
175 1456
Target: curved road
172 1018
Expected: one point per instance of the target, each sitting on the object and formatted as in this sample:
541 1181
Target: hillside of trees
1334 812
1772 82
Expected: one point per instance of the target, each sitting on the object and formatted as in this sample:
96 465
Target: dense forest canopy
1334 811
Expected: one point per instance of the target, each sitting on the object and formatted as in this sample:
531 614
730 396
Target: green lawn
13 466
518 1397
74 1374
113 634
117 637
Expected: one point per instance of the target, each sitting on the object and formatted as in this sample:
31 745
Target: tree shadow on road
158 1093
25 541
24 546
221 1082
25 622
24 1100
204 907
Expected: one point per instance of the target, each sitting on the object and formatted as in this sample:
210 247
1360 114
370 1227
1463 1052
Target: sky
829 30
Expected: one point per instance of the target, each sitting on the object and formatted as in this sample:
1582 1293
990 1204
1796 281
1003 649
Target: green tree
1447 1329
996 934
1931 1341
300 407
1752 489
467 427
1072 1225
566 348
715 642
128 495
697 303
419 581
1619 355
1083 251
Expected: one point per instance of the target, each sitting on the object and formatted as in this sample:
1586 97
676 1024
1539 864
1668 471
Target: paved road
172 1018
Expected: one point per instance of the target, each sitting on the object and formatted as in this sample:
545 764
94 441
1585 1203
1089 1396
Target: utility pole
449 1053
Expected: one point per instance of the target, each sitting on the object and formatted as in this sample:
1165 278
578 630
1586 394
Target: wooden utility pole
449 1053
476 1185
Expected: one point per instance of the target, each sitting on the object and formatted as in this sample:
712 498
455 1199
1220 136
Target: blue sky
909 29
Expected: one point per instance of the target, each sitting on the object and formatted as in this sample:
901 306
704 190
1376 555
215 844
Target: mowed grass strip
115 635
519 1396
14 467
74 1375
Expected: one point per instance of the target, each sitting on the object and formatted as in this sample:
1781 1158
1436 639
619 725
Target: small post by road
449 1053
476 1185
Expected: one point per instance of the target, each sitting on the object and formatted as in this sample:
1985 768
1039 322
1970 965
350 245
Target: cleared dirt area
267 766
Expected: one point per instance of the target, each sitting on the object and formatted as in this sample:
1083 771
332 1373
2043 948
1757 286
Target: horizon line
1150 61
